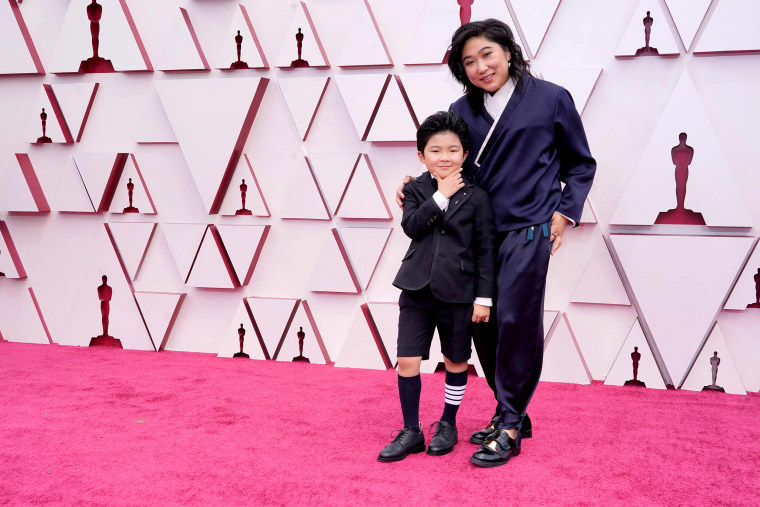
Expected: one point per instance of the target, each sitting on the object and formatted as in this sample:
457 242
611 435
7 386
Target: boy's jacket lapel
457 200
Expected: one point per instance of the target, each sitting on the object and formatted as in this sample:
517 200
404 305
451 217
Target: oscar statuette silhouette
756 304
465 11
299 44
682 155
647 50
241 338
130 190
239 64
300 358
243 191
44 138
635 358
465 15
95 63
714 363
105 293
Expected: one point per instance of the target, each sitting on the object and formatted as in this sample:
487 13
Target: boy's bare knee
455 367
409 366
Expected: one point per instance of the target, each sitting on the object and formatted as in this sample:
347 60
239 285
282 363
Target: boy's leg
454 322
409 388
415 332
416 326
456 383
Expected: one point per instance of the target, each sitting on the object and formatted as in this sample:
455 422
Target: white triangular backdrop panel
622 368
740 333
326 148
660 36
687 16
711 188
701 372
732 28
680 283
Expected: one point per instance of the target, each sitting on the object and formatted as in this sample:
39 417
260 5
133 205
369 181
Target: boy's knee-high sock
456 383
409 393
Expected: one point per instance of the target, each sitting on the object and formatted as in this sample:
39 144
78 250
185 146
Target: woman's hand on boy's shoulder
400 191
480 313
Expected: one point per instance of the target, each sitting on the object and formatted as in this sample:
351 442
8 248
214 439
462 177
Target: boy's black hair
494 30
442 121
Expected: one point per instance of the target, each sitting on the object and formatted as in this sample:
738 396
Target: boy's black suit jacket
453 251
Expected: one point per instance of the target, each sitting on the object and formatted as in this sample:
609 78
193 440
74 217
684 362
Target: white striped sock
454 394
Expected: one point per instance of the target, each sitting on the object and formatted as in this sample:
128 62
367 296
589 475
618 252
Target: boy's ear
465 156
421 157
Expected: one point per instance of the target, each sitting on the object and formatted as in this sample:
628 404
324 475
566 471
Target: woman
526 138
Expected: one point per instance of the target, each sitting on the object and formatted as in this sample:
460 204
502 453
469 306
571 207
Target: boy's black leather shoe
444 439
497 450
480 436
406 442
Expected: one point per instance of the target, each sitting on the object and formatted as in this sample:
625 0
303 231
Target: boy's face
443 154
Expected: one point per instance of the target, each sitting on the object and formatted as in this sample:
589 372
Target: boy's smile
443 154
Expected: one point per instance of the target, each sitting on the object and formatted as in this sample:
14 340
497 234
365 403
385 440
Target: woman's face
485 63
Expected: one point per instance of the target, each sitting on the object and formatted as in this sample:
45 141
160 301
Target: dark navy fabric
538 142
409 389
421 313
522 267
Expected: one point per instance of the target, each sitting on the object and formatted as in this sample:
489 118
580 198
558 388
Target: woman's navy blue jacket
538 142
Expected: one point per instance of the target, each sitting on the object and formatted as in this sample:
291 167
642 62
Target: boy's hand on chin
449 185
480 313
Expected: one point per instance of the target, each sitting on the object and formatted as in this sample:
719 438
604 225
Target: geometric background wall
320 150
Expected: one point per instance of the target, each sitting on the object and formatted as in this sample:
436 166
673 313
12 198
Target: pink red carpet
106 426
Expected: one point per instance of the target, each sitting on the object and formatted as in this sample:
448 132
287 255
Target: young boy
446 278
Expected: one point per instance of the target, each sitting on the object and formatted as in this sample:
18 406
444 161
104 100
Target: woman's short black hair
442 121
493 30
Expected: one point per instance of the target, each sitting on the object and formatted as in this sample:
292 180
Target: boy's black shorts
420 312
